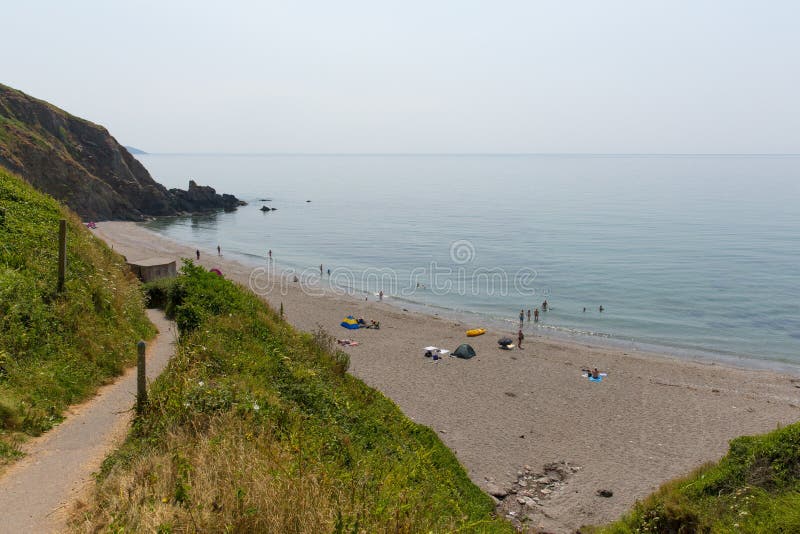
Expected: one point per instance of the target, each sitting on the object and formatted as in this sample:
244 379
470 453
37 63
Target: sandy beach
654 417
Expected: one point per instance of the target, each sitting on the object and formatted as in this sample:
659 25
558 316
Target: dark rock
264 208
82 165
605 493
202 198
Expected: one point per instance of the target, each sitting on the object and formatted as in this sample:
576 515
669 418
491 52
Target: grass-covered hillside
754 488
255 427
56 349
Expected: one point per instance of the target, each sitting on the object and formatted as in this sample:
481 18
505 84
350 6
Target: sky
565 76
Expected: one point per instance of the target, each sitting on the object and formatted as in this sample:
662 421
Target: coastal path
37 493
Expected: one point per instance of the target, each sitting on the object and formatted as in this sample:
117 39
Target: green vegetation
255 427
56 349
754 488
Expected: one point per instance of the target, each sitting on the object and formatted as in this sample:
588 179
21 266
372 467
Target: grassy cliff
255 427
56 349
754 488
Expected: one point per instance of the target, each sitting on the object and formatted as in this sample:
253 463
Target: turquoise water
699 255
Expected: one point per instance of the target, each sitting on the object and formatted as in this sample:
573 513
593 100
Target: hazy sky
407 76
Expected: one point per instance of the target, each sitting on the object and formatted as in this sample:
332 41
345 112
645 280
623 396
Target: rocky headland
81 164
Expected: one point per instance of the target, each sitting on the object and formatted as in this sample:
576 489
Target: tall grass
56 349
754 488
255 427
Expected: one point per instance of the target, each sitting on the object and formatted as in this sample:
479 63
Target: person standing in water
529 315
380 295
219 251
521 317
269 254
536 315
320 270
601 308
544 306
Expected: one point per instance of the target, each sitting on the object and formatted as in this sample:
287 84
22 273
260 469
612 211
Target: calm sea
697 255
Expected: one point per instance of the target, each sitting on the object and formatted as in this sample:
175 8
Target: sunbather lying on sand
593 374
347 342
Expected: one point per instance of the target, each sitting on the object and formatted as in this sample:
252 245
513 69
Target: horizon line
497 154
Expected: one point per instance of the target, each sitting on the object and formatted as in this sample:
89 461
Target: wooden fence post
62 253
141 379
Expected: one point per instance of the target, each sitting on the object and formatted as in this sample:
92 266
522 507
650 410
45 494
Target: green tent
464 351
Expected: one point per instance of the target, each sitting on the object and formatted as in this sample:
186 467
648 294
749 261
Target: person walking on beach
529 315
520 337
521 317
380 295
219 251
197 252
536 315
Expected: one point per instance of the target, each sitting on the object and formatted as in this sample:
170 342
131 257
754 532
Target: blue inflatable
350 323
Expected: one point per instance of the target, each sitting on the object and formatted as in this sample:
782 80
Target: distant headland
133 150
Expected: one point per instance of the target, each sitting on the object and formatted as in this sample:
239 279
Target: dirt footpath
36 492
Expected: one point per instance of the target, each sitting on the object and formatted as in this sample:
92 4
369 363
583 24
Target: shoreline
507 326
655 417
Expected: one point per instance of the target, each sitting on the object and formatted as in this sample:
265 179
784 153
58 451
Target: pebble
495 491
526 501
546 491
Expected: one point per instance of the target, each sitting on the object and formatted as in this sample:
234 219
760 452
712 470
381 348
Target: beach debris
605 493
530 491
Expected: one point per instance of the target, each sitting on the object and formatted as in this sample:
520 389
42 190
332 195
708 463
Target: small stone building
150 269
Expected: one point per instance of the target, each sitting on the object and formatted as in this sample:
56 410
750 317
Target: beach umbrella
505 341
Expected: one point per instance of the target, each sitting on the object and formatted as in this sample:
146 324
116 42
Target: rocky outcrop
203 198
81 164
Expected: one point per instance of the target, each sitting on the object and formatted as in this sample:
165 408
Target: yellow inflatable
476 332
